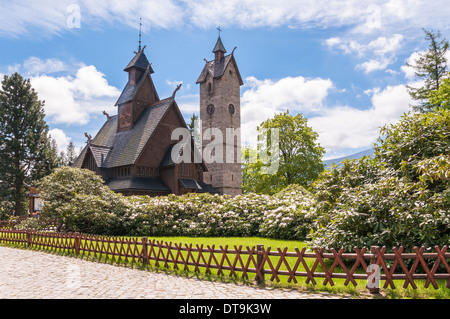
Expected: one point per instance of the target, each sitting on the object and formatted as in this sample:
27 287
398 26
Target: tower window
210 109
231 72
209 87
231 108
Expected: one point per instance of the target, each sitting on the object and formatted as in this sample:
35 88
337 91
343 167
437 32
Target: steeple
219 49
139 64
140 33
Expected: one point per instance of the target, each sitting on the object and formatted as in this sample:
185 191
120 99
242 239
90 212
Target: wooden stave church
132 150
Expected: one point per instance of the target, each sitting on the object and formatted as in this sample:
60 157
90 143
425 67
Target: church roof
219 46
198 186
111 148
217 69
130 90
138 183
167 160
139 61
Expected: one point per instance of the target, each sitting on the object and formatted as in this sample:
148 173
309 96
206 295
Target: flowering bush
400 197
214 215
80 202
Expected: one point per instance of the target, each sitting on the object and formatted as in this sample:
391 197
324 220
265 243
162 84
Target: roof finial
177 89
220 30
89 138
140 33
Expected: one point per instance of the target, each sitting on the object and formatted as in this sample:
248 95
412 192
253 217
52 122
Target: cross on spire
220 30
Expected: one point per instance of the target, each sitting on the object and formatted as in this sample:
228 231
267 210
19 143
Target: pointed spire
219 49
219 46
140 33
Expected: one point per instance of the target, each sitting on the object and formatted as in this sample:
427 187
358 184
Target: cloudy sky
339 63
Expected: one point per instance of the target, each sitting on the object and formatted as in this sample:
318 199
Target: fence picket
256 260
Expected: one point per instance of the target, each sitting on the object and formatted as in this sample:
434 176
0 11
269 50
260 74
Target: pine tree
26 149
432 67
70 153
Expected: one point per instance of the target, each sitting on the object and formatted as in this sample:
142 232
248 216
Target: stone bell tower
220 115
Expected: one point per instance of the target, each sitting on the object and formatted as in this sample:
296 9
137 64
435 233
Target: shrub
78 200
401 197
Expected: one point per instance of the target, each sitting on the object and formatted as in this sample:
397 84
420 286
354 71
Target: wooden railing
264 263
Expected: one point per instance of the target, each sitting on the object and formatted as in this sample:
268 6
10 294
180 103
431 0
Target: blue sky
340 63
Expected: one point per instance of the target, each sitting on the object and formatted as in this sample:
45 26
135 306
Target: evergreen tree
71 155
26 149
432 67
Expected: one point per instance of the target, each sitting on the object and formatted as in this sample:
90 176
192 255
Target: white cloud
72 99
61 139
46 17
347 127
364 17
262 99
374 65
294 93
35 66
339 127
382 50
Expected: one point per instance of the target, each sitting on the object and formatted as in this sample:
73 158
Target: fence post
28 238
259 262
77 243
144 256
374 288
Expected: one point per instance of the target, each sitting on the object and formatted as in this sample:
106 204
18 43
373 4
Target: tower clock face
210 109
231 108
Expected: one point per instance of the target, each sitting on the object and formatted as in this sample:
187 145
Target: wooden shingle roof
113 149
217 69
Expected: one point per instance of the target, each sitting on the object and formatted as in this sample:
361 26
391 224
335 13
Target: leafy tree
299 156
26 150
415 138
430 66
441 96
253 180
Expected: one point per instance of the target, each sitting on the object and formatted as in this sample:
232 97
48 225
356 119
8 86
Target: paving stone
39 275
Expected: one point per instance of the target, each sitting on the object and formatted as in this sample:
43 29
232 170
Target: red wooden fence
265 263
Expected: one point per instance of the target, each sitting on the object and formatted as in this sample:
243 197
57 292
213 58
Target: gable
156 147
127 145
131 90
217 69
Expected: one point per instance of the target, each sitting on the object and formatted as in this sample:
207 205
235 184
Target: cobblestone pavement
27 274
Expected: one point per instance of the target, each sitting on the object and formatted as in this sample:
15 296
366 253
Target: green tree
431 66
441 96
26 150
299 156
253 180
71 154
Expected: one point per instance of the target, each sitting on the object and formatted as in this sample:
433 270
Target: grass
338 288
